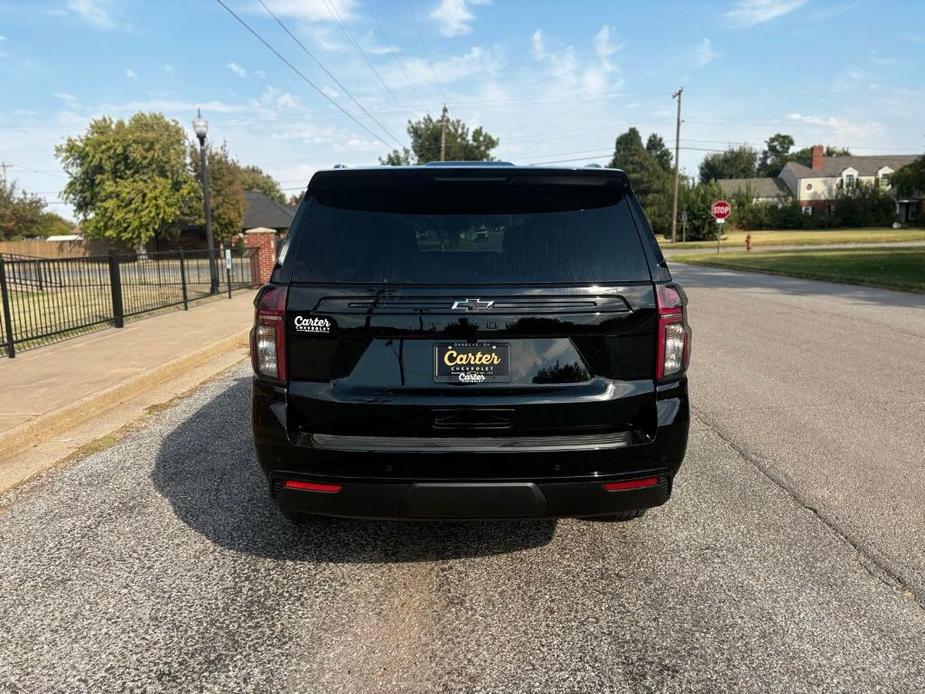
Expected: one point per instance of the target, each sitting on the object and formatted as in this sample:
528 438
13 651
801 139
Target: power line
430 60
328 72
296 70
401 67
359 49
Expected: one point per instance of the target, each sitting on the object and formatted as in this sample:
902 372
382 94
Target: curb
57 421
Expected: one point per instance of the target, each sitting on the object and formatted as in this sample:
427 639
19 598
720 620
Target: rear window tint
469 234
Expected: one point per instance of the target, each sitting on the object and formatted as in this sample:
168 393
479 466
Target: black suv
470 341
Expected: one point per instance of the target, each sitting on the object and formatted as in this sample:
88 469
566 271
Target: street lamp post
201 127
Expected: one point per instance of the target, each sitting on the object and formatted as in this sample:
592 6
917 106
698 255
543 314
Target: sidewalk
49 389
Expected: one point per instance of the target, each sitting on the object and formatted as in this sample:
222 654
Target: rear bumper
464 500
473 478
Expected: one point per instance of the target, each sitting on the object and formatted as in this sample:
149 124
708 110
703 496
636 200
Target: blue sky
553 80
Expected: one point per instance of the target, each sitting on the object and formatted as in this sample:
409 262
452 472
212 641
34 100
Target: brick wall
263 243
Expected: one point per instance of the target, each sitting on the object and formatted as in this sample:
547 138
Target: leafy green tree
129 180
650 173
697 200
53 224
20 213
775 155
655 146
425 143
910 179
805 156
735 162
254 178
864 205
226 190
627 150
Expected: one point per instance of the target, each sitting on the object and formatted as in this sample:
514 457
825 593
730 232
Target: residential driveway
159 565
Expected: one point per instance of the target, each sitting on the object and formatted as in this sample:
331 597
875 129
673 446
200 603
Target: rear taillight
268 338
674 335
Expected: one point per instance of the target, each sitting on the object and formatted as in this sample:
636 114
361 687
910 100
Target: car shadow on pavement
206 468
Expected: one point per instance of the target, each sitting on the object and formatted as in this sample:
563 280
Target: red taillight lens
312 486
268 338
674 335
624 485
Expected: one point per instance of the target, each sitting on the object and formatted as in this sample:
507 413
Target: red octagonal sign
720 210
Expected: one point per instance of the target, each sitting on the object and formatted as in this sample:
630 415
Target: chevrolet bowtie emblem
472 305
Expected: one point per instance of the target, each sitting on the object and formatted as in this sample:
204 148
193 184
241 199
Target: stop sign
720 210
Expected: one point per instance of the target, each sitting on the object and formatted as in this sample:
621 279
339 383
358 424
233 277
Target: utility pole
677 168
4 166
443 135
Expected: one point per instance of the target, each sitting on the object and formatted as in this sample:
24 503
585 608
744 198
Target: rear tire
620 517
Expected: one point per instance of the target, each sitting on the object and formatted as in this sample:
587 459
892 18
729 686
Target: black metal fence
49 299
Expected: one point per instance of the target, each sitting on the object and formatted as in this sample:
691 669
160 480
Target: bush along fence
45 300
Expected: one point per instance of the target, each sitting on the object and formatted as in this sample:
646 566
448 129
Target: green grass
805 238
896 268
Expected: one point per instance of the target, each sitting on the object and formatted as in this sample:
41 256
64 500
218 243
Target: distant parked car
399 375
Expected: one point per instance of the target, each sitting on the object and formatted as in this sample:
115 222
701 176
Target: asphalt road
159 564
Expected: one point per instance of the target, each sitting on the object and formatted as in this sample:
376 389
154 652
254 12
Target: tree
20 212
226 189
910 179
696 201
735 162
627 149
129 180
425 143
775 155
655 146
864 205
650 172
805 156
254 178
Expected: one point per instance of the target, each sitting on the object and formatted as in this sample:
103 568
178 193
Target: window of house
808 210
886 180
849 180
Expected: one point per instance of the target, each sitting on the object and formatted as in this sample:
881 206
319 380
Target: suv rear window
469 234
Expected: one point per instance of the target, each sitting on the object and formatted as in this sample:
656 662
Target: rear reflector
312 486
624 485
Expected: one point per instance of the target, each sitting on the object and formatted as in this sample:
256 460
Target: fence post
183 280
7 318
227 259
115 288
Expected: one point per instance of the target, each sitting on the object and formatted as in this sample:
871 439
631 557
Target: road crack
878 565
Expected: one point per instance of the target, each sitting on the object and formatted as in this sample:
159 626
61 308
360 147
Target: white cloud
748 13
419 71
371 46
314 10
169 69
538 45
237 69
69 99
604 47
96 12
841 127
131 74
454 16
705 53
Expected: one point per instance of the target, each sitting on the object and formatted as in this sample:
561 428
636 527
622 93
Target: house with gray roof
262 211
816 187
